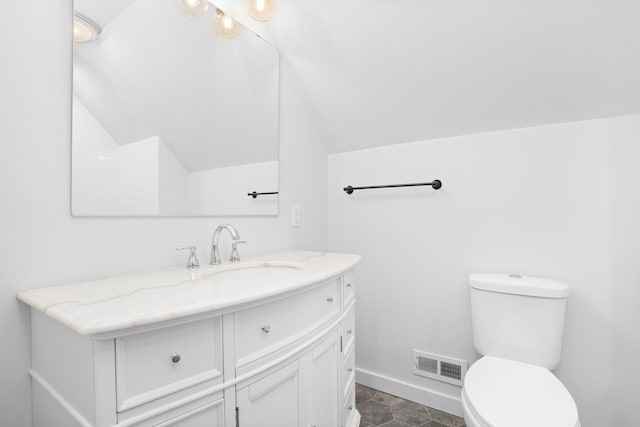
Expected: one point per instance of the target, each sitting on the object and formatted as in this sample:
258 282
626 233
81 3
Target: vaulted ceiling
154 71
385 72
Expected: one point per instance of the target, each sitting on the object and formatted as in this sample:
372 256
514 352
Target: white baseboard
424 396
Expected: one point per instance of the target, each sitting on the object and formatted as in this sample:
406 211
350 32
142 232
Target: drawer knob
349 331
266 329
348 285
349 370
330 299
175 358
350 407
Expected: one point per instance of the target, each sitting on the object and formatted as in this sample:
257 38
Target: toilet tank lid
519 285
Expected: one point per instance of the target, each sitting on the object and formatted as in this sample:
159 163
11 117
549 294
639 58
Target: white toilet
518 324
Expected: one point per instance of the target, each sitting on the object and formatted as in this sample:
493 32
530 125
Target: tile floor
384 410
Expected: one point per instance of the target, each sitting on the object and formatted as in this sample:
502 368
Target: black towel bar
254 194
436 184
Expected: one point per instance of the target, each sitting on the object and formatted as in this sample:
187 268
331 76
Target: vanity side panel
105 382
64 361
46 410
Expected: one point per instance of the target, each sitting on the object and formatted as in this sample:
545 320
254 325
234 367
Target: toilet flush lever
192 262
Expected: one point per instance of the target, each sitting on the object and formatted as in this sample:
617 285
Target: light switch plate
295 216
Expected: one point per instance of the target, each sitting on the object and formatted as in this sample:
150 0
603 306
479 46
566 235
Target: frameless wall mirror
175 111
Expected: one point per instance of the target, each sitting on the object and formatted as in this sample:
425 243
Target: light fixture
224 25
193 8
84 29
261 10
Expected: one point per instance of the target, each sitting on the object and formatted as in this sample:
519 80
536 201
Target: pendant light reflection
261 10
224 25
193 8
84 29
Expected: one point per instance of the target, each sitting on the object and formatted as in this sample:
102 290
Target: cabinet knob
330 299
349 331
350 407
266 329
348 285
175 357
349 370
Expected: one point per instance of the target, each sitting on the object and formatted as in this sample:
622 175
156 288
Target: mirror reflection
175 111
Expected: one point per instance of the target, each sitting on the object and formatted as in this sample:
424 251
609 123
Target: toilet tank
518 317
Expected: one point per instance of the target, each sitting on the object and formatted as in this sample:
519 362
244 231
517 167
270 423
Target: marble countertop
118 303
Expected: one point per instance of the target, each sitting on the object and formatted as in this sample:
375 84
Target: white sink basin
256 271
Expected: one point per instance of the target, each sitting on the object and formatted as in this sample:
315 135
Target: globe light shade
261 10
193 8
224 25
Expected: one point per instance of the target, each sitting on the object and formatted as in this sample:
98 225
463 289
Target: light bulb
84 29
261 10
81 33
225 25
193 8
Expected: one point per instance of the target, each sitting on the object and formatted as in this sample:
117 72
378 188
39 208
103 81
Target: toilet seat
505 393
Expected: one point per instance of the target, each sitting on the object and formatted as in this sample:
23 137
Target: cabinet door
271 401
321 383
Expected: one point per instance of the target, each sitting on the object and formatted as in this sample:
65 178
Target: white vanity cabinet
282 361
271 401
324 389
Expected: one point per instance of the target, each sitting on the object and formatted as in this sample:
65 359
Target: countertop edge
80 326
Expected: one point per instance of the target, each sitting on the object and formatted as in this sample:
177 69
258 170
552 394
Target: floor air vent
439 368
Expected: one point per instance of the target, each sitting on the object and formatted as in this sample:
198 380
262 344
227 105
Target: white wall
224 190
43 245
173 182
109 179
625 254
146 178
395 72
538 201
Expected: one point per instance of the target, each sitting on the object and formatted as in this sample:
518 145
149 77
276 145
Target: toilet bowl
506 393
518 326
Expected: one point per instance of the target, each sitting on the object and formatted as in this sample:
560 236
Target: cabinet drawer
263 329
348 288
210 415
154 364
207 411
348 331
349 373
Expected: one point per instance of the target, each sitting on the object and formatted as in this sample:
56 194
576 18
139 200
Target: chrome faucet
215 248
192 262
